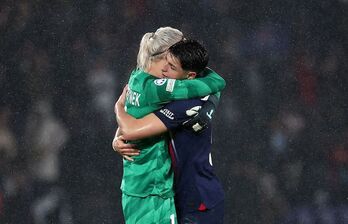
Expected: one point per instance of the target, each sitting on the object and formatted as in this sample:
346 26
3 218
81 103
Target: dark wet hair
192 55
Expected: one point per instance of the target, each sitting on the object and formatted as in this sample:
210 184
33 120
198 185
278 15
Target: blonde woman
147 183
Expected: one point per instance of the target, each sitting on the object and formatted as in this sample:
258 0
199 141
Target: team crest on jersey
160 82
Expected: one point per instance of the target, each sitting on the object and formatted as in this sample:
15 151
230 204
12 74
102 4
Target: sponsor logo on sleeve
170 85
160 82
167 113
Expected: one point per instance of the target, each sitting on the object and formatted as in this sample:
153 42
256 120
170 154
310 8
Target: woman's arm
165 90
134 129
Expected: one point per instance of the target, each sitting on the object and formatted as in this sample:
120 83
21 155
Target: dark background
280 133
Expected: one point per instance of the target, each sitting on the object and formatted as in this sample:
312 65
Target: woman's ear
191 75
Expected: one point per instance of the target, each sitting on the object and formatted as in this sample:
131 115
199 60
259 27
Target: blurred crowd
280 132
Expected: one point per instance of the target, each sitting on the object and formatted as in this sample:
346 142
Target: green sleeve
165 90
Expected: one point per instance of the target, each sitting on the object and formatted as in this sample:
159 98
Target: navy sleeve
174 114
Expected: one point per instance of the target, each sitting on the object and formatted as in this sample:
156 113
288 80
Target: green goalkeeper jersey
150 173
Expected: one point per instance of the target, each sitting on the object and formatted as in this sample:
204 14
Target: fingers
119 142
124 149
128 158
129 152
120 145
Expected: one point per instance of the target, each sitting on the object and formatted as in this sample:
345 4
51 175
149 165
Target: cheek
172 74
155 70
163 64
160 65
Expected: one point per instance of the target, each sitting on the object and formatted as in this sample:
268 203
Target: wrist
119 105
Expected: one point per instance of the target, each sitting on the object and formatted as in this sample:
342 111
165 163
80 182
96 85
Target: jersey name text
133 98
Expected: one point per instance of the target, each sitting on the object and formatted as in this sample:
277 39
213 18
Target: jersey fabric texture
196 184
153 210
150 172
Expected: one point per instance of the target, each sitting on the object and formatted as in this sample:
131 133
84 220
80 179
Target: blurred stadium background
280 134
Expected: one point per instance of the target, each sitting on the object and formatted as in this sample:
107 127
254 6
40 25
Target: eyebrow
172 65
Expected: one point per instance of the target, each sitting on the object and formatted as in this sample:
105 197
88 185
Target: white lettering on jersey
170 85
132 98
160 82
210 113
167 113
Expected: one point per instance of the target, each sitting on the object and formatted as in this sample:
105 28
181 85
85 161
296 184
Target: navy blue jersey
196 185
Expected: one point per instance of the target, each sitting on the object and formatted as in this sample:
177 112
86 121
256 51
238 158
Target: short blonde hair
153 45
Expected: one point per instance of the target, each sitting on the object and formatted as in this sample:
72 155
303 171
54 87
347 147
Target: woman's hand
126 150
